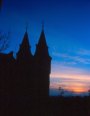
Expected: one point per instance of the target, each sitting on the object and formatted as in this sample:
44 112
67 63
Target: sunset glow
77 89
67 31
72 79
71 86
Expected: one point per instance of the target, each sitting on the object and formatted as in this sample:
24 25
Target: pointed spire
24 50
42 39
42 48
25 41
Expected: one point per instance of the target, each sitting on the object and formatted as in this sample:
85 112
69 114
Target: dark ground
53 106
71 106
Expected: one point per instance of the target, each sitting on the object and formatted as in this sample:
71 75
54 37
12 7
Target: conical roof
42 39
24 51
42 48
25 42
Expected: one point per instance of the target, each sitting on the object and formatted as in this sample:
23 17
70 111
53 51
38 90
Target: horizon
66 26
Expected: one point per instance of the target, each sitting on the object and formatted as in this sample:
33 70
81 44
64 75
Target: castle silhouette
27 74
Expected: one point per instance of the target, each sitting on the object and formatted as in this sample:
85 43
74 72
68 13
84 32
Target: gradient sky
67 30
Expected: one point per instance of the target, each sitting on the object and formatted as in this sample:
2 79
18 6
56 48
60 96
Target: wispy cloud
58 67
70 85
83 52
74 59
70 78
70 70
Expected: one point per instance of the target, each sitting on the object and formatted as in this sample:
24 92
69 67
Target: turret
43 65
24 66
24 52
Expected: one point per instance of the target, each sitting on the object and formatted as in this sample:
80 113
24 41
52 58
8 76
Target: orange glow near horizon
76 88
73 88
77 83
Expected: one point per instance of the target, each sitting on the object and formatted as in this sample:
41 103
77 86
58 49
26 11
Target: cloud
73 59
58 67
70 84
70 78
66 74
84 52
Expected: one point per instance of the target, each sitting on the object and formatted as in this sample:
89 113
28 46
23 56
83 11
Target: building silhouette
27 74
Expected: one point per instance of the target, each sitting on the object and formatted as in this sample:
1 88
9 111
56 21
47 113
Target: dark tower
24 53
43 66
24 67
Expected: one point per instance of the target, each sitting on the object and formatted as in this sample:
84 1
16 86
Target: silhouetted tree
4 41
89 92
61 91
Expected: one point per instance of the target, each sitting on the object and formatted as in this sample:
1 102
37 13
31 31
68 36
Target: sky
67 31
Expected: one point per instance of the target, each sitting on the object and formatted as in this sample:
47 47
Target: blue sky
67 30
